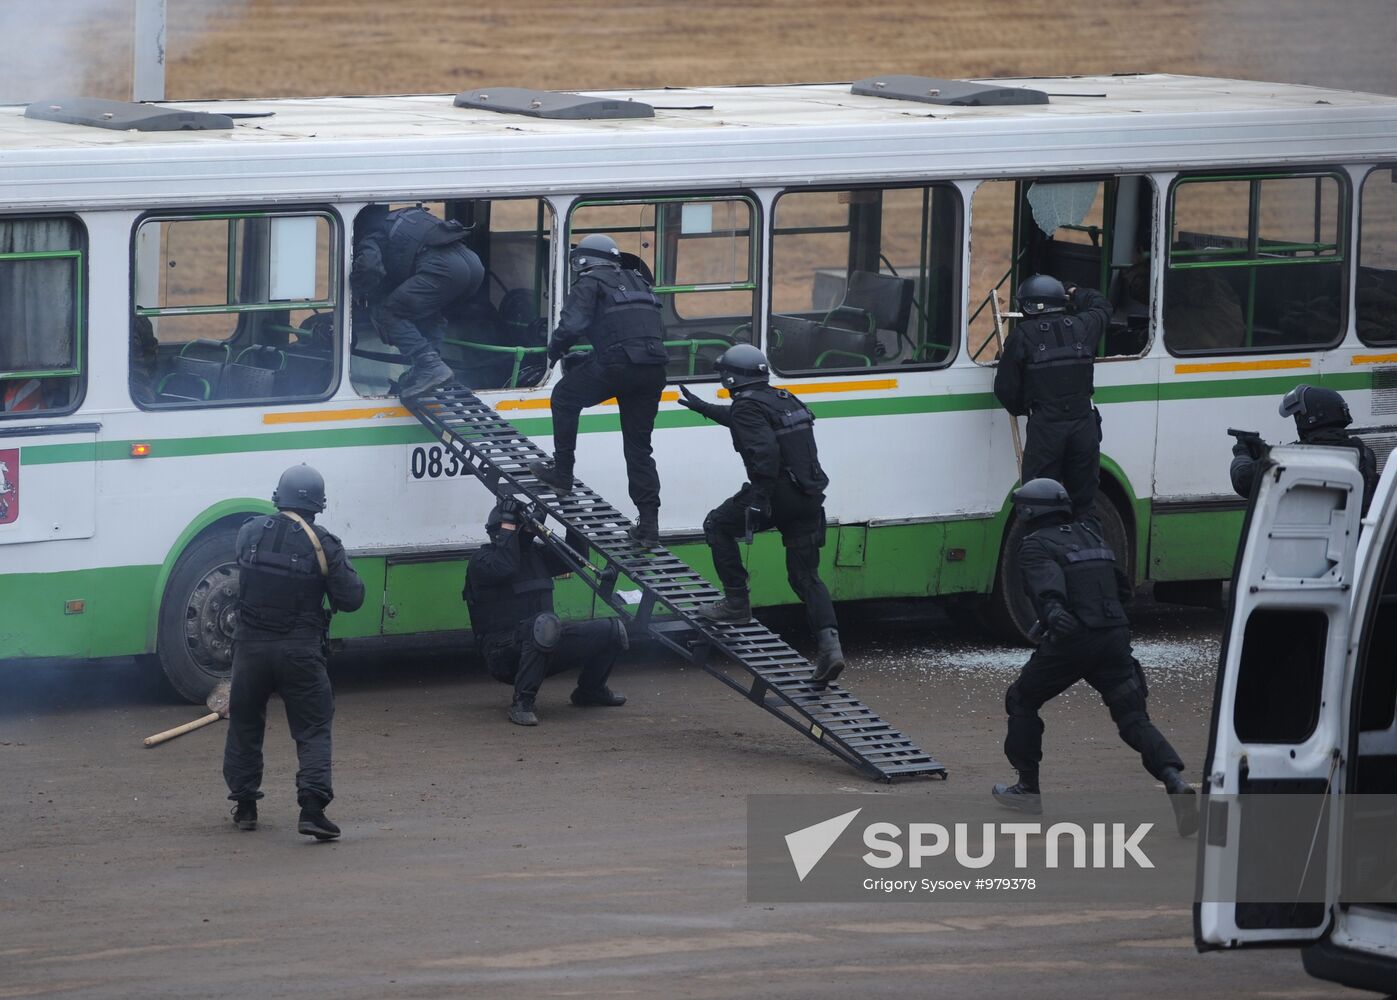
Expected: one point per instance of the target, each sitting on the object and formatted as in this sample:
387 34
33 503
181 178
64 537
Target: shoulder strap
314 540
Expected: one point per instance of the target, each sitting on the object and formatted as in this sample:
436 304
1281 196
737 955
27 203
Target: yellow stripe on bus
1373 359
809 388
318 416
1241 366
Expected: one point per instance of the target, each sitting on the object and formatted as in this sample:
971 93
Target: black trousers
515 658
295 669
637 389
800 518
1067 449
1102 658
410 316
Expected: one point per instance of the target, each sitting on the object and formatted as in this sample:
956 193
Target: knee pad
547 631
1127 705
712 534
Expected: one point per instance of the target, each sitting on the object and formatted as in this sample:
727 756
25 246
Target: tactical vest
1059 372
628 318
1089 566
279 582
501 607
795 435
410 230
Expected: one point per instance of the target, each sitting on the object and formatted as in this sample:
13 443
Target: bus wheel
1006 612
195 636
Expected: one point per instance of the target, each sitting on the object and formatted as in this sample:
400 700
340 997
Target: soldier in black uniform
1320 416
408 266
287 568
509 591
617 313
1046 372
1078 590
775 434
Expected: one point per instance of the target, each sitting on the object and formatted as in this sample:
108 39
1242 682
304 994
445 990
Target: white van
1306 706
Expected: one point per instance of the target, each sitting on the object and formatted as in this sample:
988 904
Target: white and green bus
176 326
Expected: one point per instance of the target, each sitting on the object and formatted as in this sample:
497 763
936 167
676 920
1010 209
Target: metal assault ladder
595 543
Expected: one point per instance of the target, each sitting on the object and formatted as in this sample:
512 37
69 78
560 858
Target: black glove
572 359
556 350
509 511
687 398
1062 623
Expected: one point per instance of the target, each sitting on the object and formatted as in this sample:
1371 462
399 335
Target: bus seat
254 374
836 347
204 358
182 387
308 374
873 302
792 342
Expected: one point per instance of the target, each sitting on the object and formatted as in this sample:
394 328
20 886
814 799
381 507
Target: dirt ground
601 854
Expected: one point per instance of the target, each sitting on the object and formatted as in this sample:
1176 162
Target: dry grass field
274 48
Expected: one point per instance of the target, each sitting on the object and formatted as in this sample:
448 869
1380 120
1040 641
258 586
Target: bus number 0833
434 462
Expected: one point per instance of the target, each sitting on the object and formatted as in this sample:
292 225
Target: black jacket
617 313
1243 470
1070 566
1047 360
508 581
281 592
774 432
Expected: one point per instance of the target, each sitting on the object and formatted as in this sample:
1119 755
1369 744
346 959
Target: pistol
1250 440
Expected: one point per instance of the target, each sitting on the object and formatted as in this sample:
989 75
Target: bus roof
797 133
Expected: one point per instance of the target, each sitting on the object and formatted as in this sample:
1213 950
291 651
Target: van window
41 316
1089 232
1255 263
864 278
700 252
234 307
496 337
1281 675
1377 258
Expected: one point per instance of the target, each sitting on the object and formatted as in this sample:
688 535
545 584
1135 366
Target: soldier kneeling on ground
509 591
1078 590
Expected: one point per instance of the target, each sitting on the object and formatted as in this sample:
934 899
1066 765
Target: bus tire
1007 613
194 635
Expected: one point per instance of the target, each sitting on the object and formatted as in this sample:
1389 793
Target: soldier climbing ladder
594 542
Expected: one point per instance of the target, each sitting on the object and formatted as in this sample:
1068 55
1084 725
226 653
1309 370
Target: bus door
1266 846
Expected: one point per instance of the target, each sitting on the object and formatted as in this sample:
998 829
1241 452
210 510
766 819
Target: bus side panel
77 614
1194 546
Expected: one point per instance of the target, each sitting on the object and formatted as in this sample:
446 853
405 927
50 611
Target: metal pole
148 71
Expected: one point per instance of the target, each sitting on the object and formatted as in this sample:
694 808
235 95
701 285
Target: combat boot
735 606
646 530
603 697
1022 795
550 472
521 712
314 823
428 371
829 660
1184 801
245 814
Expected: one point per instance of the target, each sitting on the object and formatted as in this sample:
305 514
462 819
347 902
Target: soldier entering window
1078 591
616 311
775 434
509 591
408 266
288 568
1046 372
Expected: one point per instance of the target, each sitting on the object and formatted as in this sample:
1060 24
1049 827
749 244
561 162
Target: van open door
1274 754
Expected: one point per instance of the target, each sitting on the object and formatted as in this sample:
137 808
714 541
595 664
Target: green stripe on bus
876 406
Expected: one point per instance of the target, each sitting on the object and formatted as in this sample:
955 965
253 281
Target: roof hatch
551 104
124 115
956 93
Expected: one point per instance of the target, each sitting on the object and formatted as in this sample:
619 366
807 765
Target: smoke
70 48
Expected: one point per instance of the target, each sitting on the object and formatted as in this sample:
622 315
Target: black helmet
741 365
594 251
1042 293
300 488
1041 497
1315 408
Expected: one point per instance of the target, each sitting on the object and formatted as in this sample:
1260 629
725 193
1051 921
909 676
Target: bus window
1377 258
496 338
41 319
1093 233
864 278
236 306
700 253
1256 263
